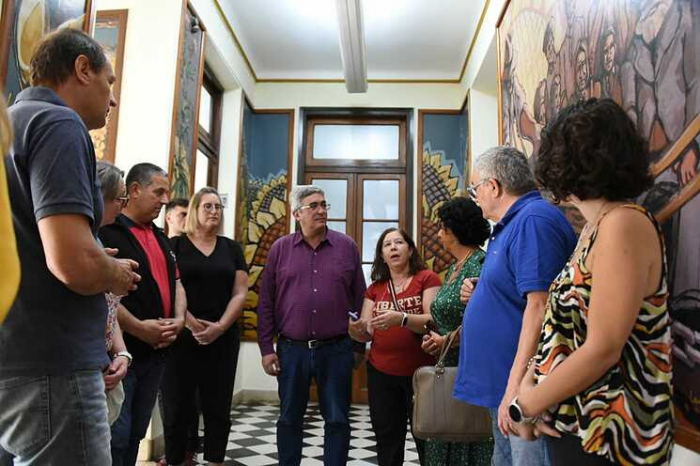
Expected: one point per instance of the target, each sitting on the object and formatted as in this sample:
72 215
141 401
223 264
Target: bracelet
530 362
125 354
404 319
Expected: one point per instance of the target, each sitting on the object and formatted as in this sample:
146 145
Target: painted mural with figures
643 54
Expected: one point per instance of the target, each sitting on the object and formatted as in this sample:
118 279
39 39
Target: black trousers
390 406
567 451
211 370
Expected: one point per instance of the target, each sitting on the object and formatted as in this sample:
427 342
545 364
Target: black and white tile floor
252 441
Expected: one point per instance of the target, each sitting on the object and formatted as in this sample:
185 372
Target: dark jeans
140 390
331 366
211 369
390 404
568 451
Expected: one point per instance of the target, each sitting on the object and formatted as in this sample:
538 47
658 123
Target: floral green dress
447 311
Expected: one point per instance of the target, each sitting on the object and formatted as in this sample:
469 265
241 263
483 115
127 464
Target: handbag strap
392 292
447 346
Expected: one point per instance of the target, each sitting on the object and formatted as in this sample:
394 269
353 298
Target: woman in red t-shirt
395 327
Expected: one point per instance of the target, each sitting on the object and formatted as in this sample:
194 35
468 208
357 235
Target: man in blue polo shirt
529 245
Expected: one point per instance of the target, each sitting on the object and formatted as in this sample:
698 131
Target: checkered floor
252 439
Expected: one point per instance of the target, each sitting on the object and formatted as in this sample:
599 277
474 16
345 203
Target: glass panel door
339 189
382 206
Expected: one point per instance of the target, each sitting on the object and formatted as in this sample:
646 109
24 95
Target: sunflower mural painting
263 188
267 221
444 173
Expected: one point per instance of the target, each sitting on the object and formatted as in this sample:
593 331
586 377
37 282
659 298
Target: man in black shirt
152 316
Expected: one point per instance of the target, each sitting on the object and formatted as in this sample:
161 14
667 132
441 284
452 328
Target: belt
311 344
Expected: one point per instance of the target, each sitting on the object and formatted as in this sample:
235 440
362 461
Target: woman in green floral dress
463 230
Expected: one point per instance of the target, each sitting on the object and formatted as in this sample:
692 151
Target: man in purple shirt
312 279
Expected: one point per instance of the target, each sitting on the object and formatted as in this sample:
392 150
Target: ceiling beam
352 44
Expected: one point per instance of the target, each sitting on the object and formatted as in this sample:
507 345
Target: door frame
361 115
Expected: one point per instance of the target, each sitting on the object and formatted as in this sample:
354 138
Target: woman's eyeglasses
122 200
209 207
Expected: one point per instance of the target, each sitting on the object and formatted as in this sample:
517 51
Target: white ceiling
405 39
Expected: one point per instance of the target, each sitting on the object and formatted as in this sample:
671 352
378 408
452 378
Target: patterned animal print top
627 415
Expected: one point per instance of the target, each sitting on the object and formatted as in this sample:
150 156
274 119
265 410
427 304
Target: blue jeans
514 451
331 366
141 385
52 420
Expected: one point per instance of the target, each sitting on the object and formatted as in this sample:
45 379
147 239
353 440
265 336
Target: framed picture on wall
642 55
23 24
188 85
110 32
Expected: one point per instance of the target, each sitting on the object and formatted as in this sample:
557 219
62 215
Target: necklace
586 232
458 266
399 286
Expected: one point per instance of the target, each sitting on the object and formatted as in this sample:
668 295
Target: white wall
483 121
229 153
218 33
148 80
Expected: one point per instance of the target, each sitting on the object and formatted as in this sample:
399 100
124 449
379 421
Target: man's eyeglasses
316 205
471 189
122 200
212 207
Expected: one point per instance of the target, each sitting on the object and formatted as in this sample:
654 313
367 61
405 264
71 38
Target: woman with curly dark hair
600 382
463 230
394 314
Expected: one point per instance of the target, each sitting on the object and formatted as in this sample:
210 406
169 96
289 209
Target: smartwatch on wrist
515 412
125 354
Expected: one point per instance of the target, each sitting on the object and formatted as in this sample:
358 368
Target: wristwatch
404 320
127 355
516 413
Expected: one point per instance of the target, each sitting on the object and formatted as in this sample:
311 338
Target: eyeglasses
471 189
122 200
212 207
316 206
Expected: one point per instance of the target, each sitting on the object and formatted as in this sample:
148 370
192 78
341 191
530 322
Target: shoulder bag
439 416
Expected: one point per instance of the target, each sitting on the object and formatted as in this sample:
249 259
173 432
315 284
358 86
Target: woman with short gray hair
115 199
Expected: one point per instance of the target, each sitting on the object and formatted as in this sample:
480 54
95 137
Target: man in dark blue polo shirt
52 346
529 245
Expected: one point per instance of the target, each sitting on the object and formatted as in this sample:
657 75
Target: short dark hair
142 173
592 150
380 271
465 220
177 202
54 59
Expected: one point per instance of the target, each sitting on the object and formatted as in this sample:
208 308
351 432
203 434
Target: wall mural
644 55
444 137
185 122
263 188
23 24
110 32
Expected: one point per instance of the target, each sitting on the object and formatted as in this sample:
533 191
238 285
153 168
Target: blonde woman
9 261
214 274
